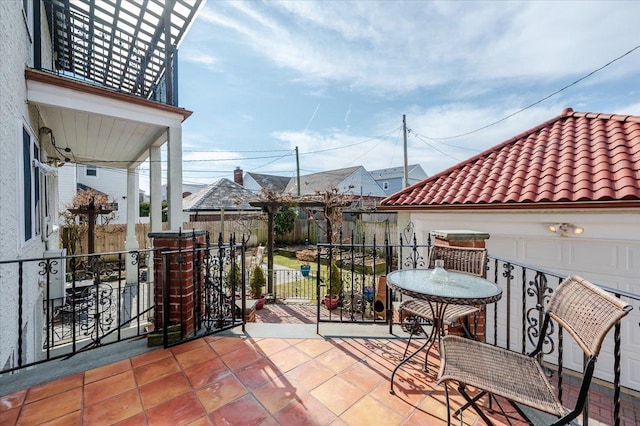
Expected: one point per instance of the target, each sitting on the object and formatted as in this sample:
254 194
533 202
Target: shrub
233 279
257 282
335 281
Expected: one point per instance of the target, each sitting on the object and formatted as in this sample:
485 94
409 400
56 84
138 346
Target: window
27 15
91 170
30 186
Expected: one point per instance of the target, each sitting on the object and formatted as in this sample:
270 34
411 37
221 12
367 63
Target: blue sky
334 79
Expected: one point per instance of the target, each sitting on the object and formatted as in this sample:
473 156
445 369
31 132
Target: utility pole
298 170
406 161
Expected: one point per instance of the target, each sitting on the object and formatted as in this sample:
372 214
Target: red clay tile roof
574 158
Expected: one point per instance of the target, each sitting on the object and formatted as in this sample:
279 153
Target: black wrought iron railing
82 302
95 45
201 288
513 322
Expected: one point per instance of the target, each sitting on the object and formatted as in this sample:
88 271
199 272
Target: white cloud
452 67
401 46
208 61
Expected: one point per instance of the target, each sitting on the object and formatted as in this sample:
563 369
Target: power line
542 99
353 144
369 150
239 151
419 136
430 145
276 157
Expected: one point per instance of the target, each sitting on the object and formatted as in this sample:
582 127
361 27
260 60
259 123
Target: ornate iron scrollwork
216 304
541 292
414 259
95 310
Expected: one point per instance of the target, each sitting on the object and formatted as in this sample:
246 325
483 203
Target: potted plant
332 298
256 284
306 256
305 269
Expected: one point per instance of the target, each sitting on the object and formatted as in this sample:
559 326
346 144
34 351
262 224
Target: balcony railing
88 44
86 302
81 302
513 322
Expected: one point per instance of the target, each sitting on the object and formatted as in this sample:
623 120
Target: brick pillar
465 238
178 248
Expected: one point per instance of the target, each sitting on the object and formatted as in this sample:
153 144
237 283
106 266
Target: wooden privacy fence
111 238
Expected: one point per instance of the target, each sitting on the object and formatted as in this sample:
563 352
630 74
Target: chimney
237 176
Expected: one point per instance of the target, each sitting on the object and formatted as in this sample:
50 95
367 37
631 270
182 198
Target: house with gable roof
349 180
222 198
258 182
564 194
581 169
391 179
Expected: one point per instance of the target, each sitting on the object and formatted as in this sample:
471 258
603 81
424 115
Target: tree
144 209
333 202
284 220
74 231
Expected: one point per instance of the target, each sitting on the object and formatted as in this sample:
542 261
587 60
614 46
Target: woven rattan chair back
586 312
461 259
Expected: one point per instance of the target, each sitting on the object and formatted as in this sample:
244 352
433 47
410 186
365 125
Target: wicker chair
415 313
586 312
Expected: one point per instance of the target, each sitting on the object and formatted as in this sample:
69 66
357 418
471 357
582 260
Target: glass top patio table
461 289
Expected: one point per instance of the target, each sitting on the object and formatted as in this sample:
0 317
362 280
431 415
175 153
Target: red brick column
177 249
464 238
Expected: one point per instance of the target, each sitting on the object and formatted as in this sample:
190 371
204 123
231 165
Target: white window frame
27 15
36 186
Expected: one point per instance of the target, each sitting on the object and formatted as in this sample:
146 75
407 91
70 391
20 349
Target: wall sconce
565 228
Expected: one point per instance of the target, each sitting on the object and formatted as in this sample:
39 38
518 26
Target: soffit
96 126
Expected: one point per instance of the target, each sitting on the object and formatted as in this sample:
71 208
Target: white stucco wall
607 253
15 51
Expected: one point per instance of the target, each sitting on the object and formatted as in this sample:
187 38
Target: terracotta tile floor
239 380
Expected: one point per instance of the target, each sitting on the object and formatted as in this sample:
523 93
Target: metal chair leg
472 403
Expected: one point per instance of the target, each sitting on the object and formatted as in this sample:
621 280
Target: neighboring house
85 85
581 169
187 189
391 180
112 182
257 183
222 199
351 180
